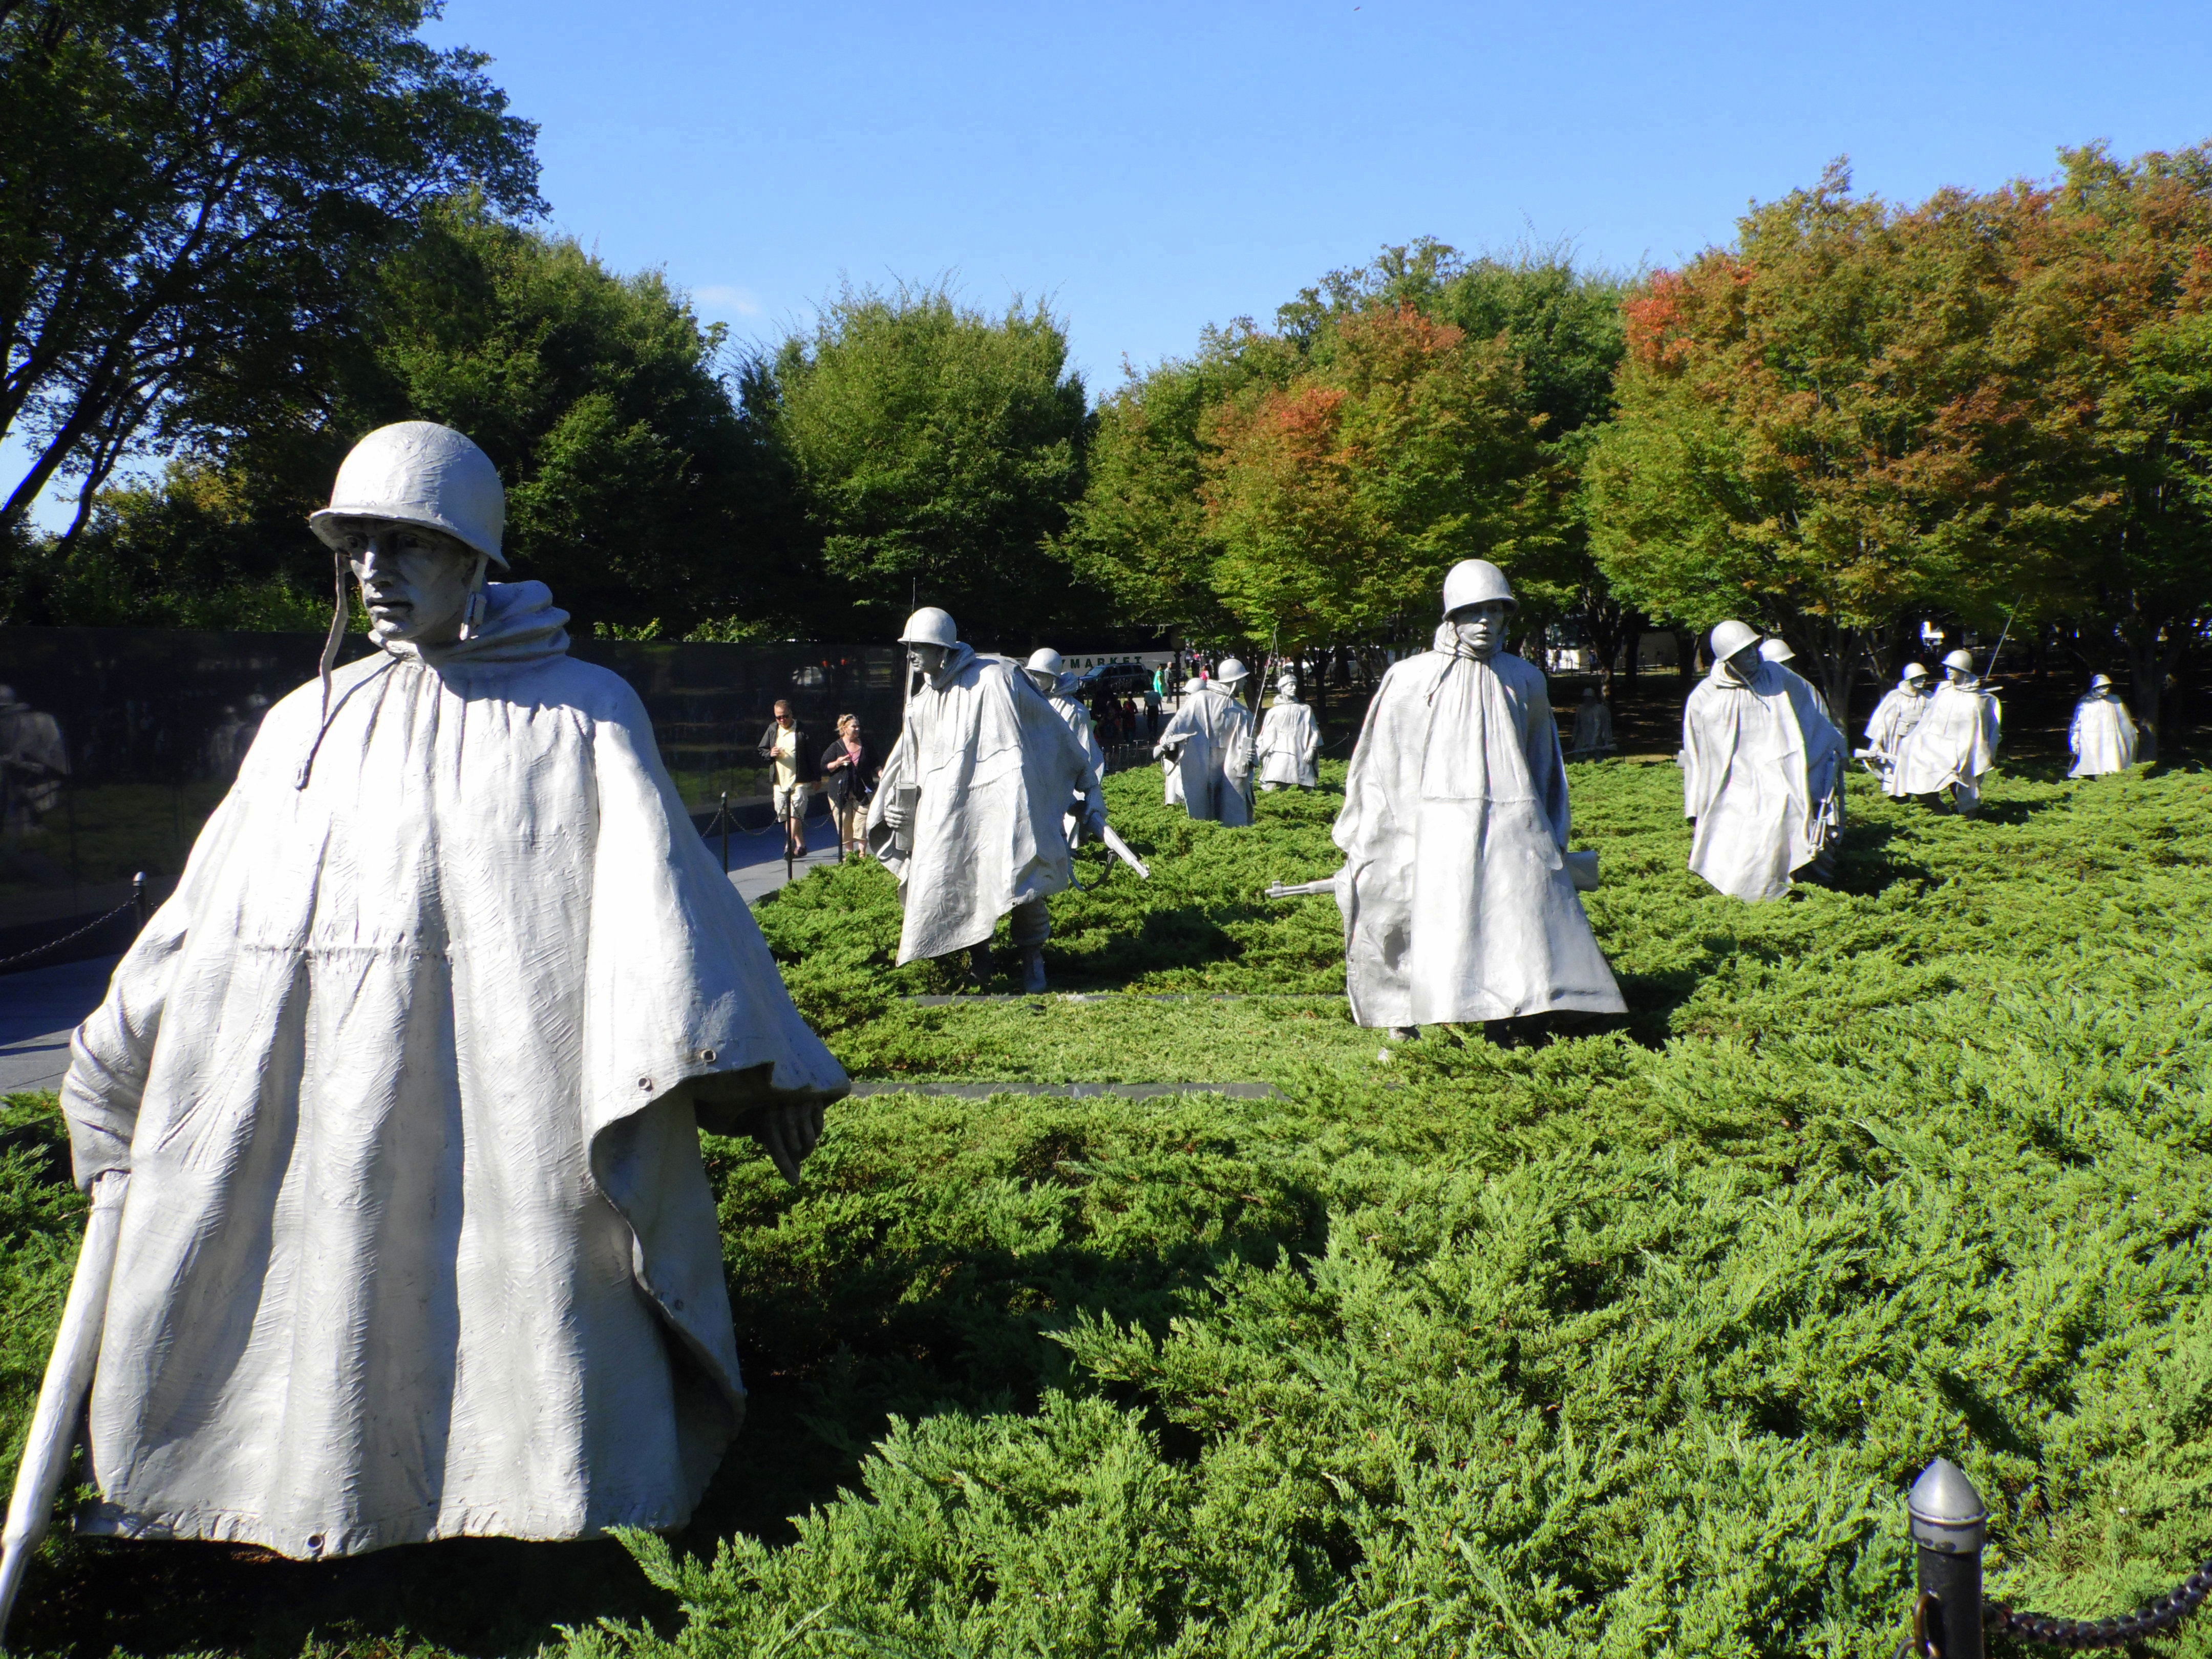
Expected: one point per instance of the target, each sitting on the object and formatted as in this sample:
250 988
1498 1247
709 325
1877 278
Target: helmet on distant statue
1476 581
1962 660
1045 661
417 472
1232 671
1730 637
930 626
1777 649
2100 682
1914 671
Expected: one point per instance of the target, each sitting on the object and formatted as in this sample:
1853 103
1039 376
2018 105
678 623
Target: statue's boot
1033 970
979 965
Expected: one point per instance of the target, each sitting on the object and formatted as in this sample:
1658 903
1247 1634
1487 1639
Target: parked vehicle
1117 679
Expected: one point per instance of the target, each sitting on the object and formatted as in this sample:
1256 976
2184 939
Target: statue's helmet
1730 637
1232 670
1962 660
421 473
2100 682
1472 581
1777 649
1913 672
930 626
1045 661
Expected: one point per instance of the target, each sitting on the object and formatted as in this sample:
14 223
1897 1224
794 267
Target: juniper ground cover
1626 1344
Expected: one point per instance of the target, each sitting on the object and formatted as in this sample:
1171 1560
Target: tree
192 191
937 452
634 488
1340 500
2122 280
1833 421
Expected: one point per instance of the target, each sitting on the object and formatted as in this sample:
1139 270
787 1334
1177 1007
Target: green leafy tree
937 452
192 194
635 488
1832 422
1340 500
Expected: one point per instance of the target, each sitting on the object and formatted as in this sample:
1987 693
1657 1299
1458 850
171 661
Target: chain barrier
2161 1612
93 926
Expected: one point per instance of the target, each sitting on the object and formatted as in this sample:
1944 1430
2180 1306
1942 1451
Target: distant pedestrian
794 768
851 765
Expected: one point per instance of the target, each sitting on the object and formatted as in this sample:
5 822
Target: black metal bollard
1950 1524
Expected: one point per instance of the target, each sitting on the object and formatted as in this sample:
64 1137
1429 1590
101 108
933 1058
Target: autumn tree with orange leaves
1839 419
1340 500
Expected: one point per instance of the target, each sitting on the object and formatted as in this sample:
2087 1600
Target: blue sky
1148 169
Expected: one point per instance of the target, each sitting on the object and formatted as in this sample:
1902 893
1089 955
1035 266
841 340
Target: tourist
850 765
794 767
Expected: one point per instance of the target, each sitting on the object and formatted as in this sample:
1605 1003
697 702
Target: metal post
723 818
1950 1524
138 897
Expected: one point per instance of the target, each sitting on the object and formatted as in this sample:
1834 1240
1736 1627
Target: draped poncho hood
407 1073
1457 903
1955 741
1209 748
1760 763
2102 736
1289 745
995 767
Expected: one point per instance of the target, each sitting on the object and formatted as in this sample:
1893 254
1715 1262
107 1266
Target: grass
1624 1345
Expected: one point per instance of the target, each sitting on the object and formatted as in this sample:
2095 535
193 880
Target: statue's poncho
2102 738
1593 727
1457 903
1893 719
1289 745
1954 745
997 767
1760 763
1078 718
1212 732
417 1241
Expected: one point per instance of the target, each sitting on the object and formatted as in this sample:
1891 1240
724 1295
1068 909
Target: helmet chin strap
472 618
339 606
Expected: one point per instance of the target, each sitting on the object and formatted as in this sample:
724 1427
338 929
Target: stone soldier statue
1459 901
401 1090
1289 745
968 810
1761 771
2102 736
1046 671
1592 727
1894 717
1956 743
1209 743
1777 650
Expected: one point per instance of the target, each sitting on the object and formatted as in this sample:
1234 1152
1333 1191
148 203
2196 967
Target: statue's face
1045 683
930 658
1482 628
1958 675
414 582
1744 665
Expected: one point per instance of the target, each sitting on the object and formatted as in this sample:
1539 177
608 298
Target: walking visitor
849 765
794 767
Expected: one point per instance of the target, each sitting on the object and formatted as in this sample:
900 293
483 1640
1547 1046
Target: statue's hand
788 1135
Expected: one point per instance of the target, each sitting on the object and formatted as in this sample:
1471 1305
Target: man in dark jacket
794 767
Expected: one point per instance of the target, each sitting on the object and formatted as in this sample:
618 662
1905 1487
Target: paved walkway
38 1009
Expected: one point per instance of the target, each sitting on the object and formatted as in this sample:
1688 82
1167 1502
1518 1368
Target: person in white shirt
794 768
